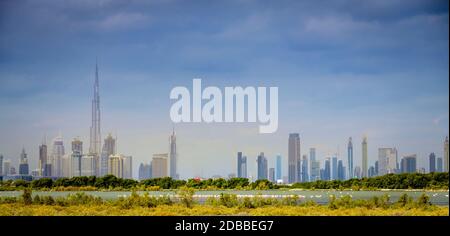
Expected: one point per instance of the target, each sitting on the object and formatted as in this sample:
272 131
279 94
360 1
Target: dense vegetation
110 182
226 204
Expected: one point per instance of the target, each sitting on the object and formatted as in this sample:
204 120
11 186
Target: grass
82 204
20 209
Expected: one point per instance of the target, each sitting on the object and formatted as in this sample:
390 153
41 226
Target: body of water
319 196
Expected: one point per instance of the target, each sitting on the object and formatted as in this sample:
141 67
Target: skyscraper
278 174
127 167
173 155
364 157
294 158
305 174
262 166
159 165
350 158
446 154
57 154
23 165
312 154
409 163
327 171
439 164
432 162
108 149
89 165
77 146
145 171
272 175
66 166
340 171
7 167
315 170
241 165
387 161
43 161
334 167
95 137
115 165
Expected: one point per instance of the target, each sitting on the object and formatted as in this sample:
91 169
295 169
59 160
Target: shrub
423 200
186 196
26 196
228 200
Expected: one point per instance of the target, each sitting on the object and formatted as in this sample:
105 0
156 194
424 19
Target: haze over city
347 69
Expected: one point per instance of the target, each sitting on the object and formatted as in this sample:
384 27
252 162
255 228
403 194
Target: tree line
390 181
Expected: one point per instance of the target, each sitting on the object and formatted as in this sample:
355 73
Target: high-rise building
350 158
376 168
145 171
305 174
371 171
1 165
57 154
294 158
272 175
240 161
76 165
77 146
95 135
89 165
312 154
334 168
357 172
159 165
364 157
327 171
446 154
6 167
340 171
262 166
43 160
108 149
315 171
23 165
409 164
278 170
387 161
173 155
66 165
439 164
127 167
244 167
115 165
432 162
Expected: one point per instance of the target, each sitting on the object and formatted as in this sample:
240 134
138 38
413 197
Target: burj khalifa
95 138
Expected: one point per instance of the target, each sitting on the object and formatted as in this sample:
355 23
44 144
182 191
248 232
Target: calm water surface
319 196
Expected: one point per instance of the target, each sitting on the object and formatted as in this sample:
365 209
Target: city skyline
348 69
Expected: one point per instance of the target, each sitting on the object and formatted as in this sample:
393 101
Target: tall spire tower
173 155
95 141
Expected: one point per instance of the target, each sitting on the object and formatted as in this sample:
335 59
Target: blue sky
343 68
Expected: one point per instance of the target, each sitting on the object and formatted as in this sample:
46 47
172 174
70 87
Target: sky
343 68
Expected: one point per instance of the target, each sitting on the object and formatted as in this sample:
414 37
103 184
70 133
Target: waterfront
318 196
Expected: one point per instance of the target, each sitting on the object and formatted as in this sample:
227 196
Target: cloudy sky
344 68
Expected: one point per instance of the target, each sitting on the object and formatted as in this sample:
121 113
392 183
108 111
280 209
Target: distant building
358 173
376 168
77 146
43 160
340 171
6 167
387 161
372 171
89 165
159 165
364 168
115 165
23 165
66 165
272 175
57 154
432 162
305 174
145 171
327 171
262 166
315 170
173 155
350 157
76 166
334 166
108 149
294 158
278 170
409 164
241 165
439 164
127 167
